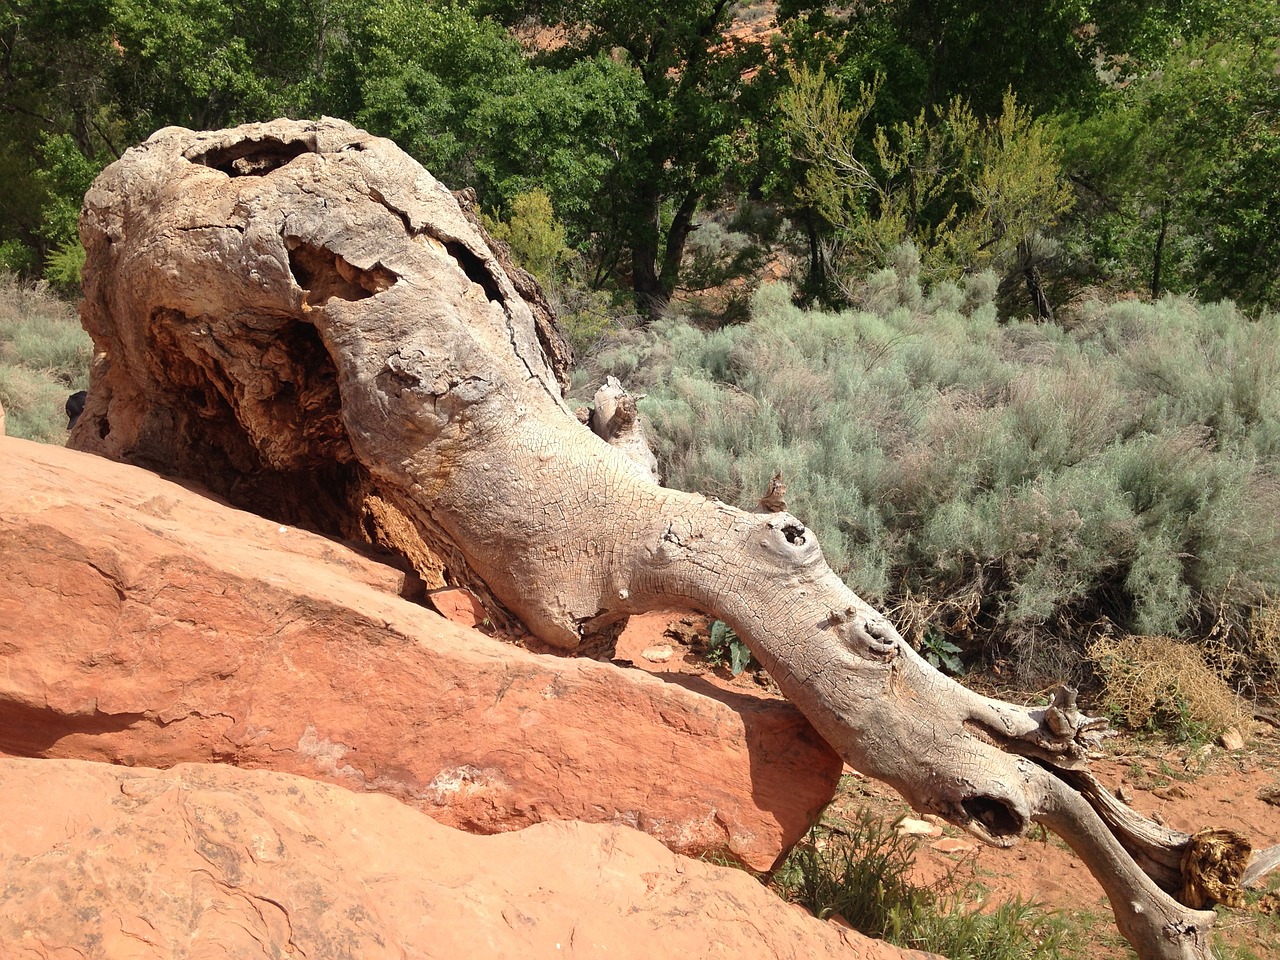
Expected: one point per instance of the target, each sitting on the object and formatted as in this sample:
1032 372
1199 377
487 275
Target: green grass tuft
860 869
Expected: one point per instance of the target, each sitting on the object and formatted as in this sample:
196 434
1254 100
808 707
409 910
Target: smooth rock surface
1231 739
144 623
457 605
207 861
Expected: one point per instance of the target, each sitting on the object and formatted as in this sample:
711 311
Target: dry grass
1264 643
1160 683
44 356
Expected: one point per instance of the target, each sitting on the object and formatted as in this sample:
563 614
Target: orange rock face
211 861
143 623
457 605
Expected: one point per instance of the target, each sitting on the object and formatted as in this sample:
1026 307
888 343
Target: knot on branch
1065 722
868 636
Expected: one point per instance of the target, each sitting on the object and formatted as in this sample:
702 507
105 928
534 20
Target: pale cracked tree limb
299 316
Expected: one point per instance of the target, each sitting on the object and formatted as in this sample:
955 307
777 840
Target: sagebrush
1015 486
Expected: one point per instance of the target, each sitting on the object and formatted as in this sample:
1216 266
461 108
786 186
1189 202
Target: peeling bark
299 311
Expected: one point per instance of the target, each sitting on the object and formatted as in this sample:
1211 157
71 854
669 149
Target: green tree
693 102
932 51
82 79
965 192
210 63
822 140
536 238
53 110
419 73
1180 167
65 175
1063 59
455 89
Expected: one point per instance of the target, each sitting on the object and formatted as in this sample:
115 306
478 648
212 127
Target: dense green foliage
1180 166
1013 486
860 869
641 121
968 193
44 356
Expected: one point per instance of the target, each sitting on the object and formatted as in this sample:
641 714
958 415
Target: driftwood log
302 318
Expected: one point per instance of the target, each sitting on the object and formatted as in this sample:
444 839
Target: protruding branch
616 420
1158 926
774 499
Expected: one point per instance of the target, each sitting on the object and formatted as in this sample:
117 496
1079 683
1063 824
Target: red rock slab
457 605
205 861
144 623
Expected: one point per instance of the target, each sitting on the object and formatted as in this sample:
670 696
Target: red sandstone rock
457 605
210 861
143 623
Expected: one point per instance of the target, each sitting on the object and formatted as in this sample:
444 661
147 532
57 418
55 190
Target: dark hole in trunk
475 269
324 274
999 820
252 158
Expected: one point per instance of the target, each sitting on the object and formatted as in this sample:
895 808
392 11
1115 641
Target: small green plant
1180 725
16 257
725 647
62 267
537 239
860 869
859 873
584 316
942 653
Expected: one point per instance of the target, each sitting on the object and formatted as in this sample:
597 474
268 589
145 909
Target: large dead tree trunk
300 316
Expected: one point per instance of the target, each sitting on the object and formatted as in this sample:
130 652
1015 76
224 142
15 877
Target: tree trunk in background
815 283
1034 281
1157 256
655 260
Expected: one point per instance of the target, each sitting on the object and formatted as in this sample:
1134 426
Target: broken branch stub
299 316
615 419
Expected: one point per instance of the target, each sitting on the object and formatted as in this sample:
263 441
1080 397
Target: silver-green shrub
1018 487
